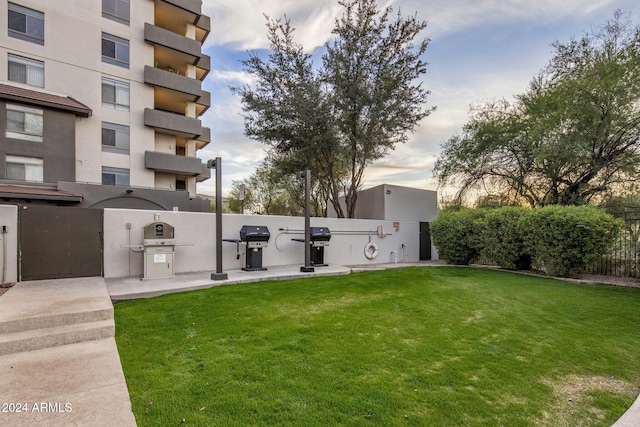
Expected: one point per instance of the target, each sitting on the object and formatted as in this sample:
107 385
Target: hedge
503 239
561 240
456 235
564 240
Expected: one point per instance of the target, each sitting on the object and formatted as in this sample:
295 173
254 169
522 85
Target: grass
442 346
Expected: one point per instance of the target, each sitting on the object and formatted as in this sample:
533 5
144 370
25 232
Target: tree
264 195
354 109
573 136
268 191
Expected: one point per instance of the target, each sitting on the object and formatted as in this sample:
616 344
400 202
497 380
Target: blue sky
479 50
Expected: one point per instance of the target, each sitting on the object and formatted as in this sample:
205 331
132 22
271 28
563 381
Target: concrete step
35 339
50 320
49 313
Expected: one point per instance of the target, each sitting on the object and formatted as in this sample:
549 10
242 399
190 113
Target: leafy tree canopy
572 136
269 192
338 118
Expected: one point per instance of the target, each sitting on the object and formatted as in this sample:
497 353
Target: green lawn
440 346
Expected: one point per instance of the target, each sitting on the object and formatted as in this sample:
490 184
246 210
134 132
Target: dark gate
425 242
623 258
60 242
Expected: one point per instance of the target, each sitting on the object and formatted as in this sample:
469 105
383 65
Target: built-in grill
255 237
320 236
319 239
159 248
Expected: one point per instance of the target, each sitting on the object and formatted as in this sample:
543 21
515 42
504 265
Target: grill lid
254 233
319 234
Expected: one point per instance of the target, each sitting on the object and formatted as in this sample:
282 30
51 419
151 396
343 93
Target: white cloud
231 77
464 71
447 16
242 22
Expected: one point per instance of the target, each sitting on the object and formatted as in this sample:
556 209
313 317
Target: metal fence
623 259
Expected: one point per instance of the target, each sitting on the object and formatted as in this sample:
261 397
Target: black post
308 268
242 190
218 275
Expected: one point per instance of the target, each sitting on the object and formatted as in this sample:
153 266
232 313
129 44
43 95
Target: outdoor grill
255 237
159 249
319 238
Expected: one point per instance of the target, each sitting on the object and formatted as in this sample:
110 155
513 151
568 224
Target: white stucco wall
195 240
9 244
394 203
404 203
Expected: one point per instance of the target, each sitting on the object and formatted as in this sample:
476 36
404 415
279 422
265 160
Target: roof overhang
44 99
8 191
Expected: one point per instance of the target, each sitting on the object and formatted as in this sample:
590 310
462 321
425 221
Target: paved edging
130 288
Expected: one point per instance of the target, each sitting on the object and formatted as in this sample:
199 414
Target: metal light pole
241 197
306 175
217 165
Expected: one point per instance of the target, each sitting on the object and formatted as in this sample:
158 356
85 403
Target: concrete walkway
59 364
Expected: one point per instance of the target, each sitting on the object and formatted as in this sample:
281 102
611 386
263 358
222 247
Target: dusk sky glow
479 50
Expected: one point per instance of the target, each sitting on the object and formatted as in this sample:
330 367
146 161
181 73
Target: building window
25 70
26 24
24 123
115 50
181 184
115 176
21 168
115 138
116 10
115 94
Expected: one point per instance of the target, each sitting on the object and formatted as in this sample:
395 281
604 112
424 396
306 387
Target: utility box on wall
159 250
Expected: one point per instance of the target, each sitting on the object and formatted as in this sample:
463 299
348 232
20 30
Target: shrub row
561 240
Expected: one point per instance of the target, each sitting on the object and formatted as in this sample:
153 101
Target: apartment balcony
205 175
170 80
203 66
193 7
204 139
171 163
172 50
177 15
173 91
173 124
203 28
203 103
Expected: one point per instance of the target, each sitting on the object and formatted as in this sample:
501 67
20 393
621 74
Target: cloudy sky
479 50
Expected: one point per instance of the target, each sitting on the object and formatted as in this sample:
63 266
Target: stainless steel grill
318 240
159 249
320 236
255 236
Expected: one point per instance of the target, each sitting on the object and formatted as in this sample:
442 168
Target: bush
564 240
456 235
503 239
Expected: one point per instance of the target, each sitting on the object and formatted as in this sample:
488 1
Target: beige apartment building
100 103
